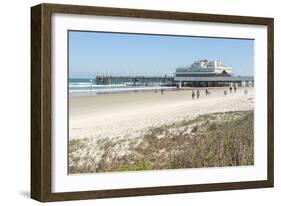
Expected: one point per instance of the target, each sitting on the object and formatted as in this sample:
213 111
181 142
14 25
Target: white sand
128 114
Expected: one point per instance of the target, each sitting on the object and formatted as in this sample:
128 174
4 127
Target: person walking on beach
235 89
206 91
198 93
230 89
162 91
209 93
193 94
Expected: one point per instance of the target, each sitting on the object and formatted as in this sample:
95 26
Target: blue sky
98 53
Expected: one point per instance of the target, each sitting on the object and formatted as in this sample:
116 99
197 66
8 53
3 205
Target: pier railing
134 80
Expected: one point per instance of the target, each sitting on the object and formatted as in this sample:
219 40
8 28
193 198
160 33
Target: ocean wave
81 85
116 90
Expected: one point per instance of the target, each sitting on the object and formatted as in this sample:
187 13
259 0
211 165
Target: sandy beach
127 114
148 130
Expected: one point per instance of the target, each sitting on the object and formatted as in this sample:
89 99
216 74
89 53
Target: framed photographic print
130 102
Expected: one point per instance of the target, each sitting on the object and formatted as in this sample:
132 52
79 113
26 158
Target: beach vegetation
211 140
142 165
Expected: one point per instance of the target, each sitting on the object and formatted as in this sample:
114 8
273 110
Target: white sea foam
95 91
78 85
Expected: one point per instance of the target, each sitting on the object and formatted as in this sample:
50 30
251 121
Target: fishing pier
135 80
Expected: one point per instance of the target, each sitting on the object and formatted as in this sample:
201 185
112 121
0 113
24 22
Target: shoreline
122 90
118 90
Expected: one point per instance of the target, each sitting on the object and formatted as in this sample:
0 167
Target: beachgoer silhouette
162 91
198 93
230 89
193 94
225 92
235 89
206 91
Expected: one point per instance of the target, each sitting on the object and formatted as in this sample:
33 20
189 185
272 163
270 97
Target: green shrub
143 165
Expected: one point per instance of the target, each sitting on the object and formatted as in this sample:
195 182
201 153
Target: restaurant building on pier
209 73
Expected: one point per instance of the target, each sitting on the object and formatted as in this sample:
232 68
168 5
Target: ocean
88 87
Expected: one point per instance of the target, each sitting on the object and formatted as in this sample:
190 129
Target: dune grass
211 140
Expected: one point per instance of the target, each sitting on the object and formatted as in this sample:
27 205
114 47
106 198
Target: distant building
210 73
204 68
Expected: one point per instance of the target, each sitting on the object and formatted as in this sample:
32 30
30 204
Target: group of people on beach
162 91
207 92
230 90
197 93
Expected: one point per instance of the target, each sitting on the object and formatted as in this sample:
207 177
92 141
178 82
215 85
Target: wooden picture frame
41 97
